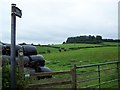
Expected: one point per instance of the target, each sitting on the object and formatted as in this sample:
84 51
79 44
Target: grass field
96 53
54 48
67 46
84 54
64 60
61 58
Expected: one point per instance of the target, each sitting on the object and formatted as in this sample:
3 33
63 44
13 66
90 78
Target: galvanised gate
103 75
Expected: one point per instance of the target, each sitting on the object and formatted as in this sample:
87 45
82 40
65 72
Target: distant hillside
89 39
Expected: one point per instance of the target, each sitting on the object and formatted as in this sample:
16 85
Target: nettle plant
6 81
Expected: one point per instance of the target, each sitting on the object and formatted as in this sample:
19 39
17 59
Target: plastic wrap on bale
26 61
5 59
29 50
36 60
6 49
32 62
3 50
43 69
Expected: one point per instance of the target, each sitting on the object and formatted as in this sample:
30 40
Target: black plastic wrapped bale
29 50
43 69
6 49
26 61
37 60
3 50
5 59
17 48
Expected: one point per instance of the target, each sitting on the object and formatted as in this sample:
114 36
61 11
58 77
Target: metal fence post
13 49
118 70
74 78
99 75
15 11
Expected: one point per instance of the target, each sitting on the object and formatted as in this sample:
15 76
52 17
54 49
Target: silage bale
37 60
29 50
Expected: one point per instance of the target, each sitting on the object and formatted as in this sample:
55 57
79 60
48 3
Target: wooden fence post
118 70
20 62
74 78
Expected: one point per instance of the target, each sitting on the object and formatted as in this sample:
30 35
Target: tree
63 42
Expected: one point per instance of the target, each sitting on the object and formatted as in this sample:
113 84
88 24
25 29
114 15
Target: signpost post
15 11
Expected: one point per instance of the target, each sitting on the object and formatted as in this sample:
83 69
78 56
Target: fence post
74 78
20 62
118 70
99 75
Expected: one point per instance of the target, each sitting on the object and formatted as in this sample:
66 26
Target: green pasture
63 47
65 60
110 43
54 48
41 49
67 46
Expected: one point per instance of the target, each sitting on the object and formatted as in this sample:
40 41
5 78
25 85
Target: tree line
88 39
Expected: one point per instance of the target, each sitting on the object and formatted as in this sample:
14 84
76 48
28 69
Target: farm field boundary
103 75
43 49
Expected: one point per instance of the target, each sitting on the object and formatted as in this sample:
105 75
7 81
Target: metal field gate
103 75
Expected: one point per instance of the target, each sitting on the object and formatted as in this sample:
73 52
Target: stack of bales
31 59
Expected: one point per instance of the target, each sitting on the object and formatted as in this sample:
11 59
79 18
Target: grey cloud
52 21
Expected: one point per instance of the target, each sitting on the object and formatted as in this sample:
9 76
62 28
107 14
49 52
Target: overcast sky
53 21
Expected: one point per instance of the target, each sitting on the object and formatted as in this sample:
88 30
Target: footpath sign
15 11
